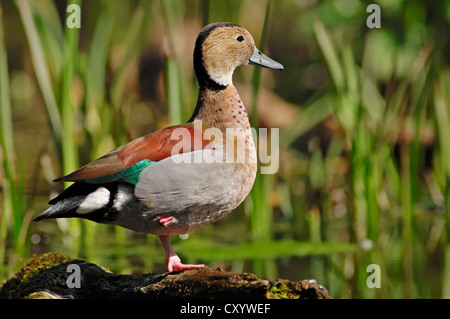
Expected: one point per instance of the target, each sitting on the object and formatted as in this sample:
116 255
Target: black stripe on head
204 81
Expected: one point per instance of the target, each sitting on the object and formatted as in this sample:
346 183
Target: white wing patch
94 201
124 194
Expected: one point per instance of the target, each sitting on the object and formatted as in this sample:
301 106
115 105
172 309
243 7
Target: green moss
281 291
35 265
38 263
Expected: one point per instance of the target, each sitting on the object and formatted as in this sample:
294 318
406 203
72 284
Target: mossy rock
34 266
47 277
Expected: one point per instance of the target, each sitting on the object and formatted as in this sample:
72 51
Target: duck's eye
240 38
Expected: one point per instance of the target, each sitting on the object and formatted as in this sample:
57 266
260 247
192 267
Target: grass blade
41 69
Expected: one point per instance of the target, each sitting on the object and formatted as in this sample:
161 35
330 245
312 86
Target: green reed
368 121
261 210
178 83
7 169
61 67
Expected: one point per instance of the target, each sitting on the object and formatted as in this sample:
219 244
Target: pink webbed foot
174 264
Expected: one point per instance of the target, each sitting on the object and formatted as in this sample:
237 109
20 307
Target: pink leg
174 262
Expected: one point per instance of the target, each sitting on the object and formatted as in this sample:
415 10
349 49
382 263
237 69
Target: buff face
225 49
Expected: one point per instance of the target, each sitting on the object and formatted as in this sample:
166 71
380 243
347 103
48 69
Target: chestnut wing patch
126 162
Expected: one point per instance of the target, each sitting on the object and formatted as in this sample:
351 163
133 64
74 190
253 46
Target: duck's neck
224 109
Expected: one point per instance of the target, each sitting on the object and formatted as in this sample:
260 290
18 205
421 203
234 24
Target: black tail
72 201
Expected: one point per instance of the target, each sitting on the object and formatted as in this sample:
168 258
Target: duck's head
220 48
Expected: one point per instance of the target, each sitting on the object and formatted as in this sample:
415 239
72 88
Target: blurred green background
364 119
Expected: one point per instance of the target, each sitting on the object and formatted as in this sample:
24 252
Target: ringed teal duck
183 177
